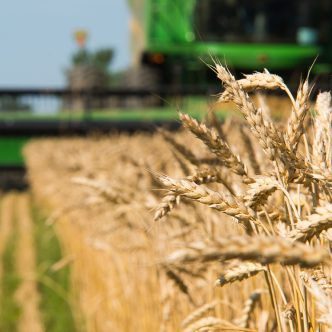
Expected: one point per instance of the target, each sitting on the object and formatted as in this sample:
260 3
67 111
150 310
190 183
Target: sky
36 37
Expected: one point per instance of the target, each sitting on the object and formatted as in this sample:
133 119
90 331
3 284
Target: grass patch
10 311
53 286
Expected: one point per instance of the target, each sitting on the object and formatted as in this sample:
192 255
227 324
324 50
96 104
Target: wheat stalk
250 149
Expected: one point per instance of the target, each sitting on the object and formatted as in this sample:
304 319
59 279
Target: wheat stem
268 280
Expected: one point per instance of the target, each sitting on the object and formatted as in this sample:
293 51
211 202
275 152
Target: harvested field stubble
250 203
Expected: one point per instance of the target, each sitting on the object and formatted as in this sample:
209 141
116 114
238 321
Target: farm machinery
170 36
172 40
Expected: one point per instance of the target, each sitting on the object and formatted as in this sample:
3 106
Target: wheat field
217 227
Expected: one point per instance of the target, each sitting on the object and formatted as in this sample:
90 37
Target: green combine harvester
169 37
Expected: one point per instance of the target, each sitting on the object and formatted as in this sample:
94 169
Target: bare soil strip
6 227
27 295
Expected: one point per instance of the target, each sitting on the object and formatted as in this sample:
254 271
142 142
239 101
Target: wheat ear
259 191
314 225
257 81
169 201
321 150
319 277
201 176
204 195
206 175
103 188
244 270
260 249
264 130
215 144
296 119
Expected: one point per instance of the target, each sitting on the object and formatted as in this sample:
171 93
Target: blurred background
37 38
81 66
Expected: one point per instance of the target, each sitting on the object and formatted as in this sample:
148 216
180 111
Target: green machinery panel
259 38
11 150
